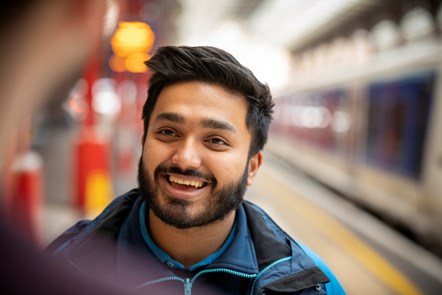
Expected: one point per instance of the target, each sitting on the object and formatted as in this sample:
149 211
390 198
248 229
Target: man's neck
189 246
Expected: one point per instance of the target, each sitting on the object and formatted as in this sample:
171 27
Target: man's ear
254 164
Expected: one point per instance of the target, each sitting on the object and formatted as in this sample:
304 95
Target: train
372 133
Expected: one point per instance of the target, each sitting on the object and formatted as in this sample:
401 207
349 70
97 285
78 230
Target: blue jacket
261 259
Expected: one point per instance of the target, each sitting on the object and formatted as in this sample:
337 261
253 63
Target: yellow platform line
335 231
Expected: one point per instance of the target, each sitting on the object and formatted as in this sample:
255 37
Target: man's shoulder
303 258
106 224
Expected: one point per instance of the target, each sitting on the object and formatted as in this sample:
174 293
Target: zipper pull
187 287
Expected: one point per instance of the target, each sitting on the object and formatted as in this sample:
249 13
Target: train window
397 122
318 119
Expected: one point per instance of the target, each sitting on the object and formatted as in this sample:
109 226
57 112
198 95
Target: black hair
172 64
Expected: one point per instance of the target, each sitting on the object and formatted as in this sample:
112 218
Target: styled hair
173 64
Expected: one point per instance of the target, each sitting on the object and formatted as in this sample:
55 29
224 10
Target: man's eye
217 141
167 132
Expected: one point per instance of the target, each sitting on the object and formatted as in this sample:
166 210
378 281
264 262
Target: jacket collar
255 246
273 244
239 256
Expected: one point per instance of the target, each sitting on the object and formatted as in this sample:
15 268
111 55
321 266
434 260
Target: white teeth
194 183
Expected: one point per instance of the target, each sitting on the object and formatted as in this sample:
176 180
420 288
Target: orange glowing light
132 37
135 62
116 63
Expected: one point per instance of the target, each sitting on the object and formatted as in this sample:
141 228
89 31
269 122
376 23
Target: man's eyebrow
173 117
216 124
205 123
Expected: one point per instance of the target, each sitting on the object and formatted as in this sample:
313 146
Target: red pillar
91 154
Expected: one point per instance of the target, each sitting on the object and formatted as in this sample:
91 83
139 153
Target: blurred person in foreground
44 46
206 121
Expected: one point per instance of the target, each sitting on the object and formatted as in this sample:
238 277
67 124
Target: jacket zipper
187 287
188 283
225 270
266 269
159 281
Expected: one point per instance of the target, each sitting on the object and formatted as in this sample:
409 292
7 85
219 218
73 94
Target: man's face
195 167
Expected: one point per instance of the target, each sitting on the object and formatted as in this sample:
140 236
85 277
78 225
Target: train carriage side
375 135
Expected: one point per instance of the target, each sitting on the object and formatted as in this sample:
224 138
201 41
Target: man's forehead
196 100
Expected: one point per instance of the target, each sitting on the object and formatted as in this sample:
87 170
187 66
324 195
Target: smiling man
187 226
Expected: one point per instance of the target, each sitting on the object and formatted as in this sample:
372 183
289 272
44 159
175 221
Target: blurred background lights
134 63
341 122
314 117
131 43
76 105
117 63
132 37
105 99
127 90
417 24
111 17
385 34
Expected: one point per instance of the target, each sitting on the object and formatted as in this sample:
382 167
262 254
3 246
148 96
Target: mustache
169 169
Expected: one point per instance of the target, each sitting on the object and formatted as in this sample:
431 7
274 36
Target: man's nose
187 155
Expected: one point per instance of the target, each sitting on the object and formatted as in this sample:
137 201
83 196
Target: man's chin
181 214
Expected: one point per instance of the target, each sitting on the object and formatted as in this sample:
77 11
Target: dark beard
175 212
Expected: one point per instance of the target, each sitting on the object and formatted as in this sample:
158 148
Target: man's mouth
185 182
